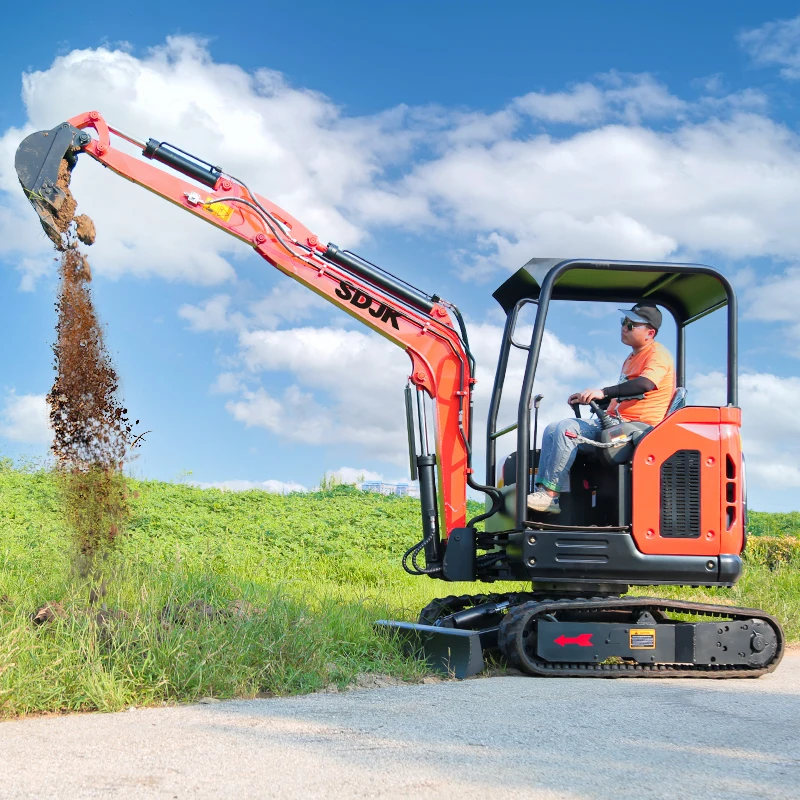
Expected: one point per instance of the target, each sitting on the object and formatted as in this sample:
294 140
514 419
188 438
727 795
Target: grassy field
224 594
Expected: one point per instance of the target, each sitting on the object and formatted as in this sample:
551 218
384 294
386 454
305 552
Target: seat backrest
678 401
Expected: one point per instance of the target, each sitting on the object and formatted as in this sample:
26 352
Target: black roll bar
545 295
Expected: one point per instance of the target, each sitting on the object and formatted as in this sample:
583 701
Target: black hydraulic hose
464 337
266 217
413 553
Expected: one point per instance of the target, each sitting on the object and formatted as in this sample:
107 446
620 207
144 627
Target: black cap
644 312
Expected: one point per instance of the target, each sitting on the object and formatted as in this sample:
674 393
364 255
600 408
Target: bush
773 551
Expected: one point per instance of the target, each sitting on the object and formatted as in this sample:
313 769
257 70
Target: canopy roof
688 291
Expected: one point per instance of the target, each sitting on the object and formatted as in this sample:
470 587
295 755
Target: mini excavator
668 509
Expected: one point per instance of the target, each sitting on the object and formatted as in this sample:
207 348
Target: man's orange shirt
654 362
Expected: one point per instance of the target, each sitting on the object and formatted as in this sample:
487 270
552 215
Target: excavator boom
441 365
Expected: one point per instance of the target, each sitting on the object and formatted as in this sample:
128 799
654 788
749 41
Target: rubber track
512 625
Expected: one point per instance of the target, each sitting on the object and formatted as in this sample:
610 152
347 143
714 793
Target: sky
449 142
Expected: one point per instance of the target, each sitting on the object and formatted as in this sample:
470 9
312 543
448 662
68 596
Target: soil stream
91 428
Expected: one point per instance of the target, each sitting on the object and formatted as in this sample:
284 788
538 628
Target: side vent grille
680 495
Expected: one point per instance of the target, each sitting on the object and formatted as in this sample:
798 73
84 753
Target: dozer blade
37 162
448 650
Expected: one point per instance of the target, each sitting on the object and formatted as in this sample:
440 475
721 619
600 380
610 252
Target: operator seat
678 401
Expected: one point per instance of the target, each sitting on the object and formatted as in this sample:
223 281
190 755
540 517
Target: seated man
647 371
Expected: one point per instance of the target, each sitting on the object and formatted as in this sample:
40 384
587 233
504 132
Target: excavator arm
441 364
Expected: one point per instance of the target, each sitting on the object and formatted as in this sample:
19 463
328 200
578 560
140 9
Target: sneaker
541 501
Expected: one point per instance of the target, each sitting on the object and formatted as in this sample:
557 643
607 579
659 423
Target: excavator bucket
449 650
38 161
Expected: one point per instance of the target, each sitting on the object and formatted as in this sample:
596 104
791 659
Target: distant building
397 489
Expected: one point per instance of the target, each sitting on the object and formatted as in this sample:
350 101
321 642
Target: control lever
576 407
606 420
536 401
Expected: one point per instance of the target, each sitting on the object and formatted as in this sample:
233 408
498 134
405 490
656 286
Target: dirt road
508 737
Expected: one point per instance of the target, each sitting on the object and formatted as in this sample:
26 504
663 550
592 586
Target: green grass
762 523
296 580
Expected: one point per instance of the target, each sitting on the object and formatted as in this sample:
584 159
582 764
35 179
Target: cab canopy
687 291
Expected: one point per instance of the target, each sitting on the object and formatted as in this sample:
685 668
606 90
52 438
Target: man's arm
632 388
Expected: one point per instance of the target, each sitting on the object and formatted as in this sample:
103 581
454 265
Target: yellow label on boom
218 209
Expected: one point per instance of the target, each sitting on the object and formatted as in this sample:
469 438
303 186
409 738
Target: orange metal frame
714 432
440 366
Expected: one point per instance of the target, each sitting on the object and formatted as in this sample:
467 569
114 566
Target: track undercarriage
601 637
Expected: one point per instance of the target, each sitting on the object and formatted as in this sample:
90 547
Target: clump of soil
49 612
92 432
63 217
85 230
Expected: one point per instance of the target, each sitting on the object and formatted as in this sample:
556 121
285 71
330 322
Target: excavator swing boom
423 325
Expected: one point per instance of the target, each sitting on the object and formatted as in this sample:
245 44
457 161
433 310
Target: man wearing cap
647 371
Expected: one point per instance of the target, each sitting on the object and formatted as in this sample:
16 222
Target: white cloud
26 418
725 183
228 383
624 97
345 475
294 141
271 486
775 43
211 315
723 186
770 438
719 179
775 299
353 475
287 302
358 376
347 385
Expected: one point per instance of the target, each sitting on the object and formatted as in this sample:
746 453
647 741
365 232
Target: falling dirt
92 432
63 217
85 229
91 427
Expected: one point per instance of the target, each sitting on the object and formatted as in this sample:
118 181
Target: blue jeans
559 451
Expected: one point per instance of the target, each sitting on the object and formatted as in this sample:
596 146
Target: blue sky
448 142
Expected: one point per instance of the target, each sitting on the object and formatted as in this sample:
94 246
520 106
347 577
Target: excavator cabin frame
672 514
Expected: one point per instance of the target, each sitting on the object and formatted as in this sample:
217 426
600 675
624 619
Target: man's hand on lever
586 396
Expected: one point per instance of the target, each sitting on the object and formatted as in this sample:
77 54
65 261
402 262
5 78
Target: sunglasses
628 325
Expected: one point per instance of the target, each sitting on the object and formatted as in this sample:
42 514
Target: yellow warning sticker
643 639
218 209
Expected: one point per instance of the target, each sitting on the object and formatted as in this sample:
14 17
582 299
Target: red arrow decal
582 640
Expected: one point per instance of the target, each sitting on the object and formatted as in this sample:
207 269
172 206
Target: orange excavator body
673 512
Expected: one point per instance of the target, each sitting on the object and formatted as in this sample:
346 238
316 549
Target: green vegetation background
246 594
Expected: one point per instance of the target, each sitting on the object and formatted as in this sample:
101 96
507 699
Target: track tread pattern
513 628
